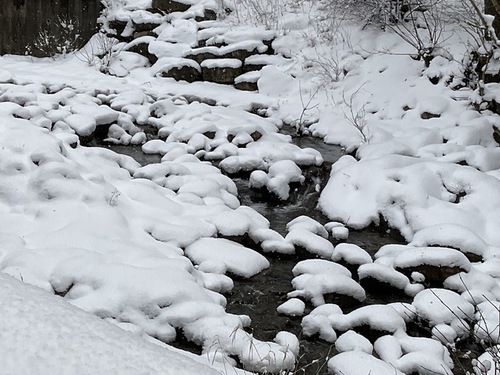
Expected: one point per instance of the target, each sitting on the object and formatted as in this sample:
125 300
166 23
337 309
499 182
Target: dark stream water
259 296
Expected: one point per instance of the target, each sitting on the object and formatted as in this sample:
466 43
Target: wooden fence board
21 21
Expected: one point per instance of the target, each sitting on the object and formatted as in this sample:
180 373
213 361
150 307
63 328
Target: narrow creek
259 296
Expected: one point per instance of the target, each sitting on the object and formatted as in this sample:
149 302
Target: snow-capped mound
219 256
50 336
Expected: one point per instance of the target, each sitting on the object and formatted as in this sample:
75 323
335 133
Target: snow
351 253
352 341
360 363
292 307
221 63
388 348
60 339
379 317
433 256
81 124
278 179
220 255
442 306
311 235
152 248
338 230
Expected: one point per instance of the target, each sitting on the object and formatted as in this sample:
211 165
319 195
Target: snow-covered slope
43 334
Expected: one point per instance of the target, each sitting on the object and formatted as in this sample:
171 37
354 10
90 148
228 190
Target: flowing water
259 296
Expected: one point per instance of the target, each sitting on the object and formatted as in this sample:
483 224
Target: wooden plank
21 21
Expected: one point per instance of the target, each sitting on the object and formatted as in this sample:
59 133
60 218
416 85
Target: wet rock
119 30
341 300
170 6
140 34
247 81
210 134
256 135
118 26
429 115
434 263
241 54
204 53
378 287
208 15
222 71
145 26
433 274
187 72
141 46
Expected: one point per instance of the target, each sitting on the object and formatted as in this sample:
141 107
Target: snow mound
360 363
219 255
316 283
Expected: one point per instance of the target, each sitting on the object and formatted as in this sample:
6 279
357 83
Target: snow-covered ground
152 249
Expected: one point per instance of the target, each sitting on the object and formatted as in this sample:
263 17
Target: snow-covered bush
268 13
100 52
59 37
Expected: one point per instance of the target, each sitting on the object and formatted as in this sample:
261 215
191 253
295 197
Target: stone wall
21 21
